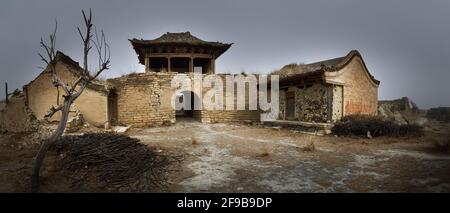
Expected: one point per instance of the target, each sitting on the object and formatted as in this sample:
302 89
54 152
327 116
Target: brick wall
144 99
360 93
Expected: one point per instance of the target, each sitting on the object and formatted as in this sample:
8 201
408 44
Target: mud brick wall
14 116
229 116
224 116
144 99
42 95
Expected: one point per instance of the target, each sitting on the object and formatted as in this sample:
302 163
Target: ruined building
325 91
321 92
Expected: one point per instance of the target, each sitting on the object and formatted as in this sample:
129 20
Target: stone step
301 126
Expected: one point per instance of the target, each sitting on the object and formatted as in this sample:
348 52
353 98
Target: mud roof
330 65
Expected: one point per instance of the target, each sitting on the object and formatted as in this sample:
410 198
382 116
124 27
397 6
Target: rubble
15 116
120 129
402 111
75 123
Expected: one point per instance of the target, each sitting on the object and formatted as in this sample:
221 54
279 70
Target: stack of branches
118 161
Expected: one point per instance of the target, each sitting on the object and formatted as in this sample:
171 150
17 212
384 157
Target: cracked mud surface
239 158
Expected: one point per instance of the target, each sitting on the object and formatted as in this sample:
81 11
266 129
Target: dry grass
194 141
310 144
264 152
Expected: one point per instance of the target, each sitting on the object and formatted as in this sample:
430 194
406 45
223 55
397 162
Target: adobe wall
42 95
219 116
144 99
14 116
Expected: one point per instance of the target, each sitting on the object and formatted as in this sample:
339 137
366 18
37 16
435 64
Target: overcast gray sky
405 43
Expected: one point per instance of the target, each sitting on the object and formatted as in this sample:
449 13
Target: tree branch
52 111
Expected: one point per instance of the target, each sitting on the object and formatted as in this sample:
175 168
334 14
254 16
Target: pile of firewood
116 160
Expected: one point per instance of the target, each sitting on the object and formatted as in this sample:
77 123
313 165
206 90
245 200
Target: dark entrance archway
187 99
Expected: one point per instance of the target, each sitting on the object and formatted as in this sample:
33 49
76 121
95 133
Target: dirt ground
243 158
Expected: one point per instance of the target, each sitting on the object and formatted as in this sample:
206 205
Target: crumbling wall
93 106
144 99
311 103
15 117
42 95
401 104
401 111
2 105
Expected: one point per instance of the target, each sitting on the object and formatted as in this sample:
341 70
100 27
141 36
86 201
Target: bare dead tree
73 90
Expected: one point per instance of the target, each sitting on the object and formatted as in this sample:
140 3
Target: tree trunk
46 144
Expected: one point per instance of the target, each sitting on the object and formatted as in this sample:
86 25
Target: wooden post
6 91
191 65
168 64
212 67
147 64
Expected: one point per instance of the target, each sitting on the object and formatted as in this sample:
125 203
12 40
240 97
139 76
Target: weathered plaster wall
337 102
42 95
360 93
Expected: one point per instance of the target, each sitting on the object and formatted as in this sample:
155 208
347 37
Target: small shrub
264 152
359 125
